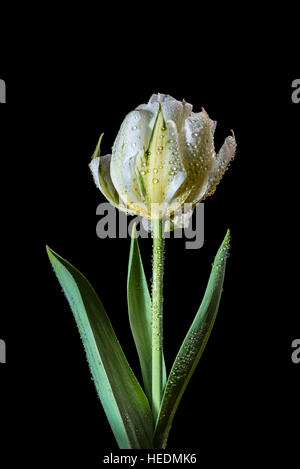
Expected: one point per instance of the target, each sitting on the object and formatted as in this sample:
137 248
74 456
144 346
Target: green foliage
125 404
192 347
123 400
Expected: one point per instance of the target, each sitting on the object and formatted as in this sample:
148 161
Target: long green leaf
140 314
192 347
123 400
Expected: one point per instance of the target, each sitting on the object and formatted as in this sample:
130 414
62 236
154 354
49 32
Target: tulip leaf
124 402
140 314
192 347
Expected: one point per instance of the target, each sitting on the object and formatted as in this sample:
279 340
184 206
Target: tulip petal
196 142
223 159
172 109
100 168
160 167
176 174
197 153
148 113
128 145
213 125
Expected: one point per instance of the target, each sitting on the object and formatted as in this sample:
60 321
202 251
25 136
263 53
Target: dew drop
155 180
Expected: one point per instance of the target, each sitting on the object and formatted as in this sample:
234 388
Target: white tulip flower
163 157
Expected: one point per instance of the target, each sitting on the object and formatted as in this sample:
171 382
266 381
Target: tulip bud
163 157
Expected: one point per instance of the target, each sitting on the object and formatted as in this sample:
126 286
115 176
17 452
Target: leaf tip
51 254
225 246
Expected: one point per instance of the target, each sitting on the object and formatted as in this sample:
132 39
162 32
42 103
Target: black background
242 400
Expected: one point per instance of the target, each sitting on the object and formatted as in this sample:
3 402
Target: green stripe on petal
97 149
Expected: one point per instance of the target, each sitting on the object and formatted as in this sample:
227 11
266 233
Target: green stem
157 301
